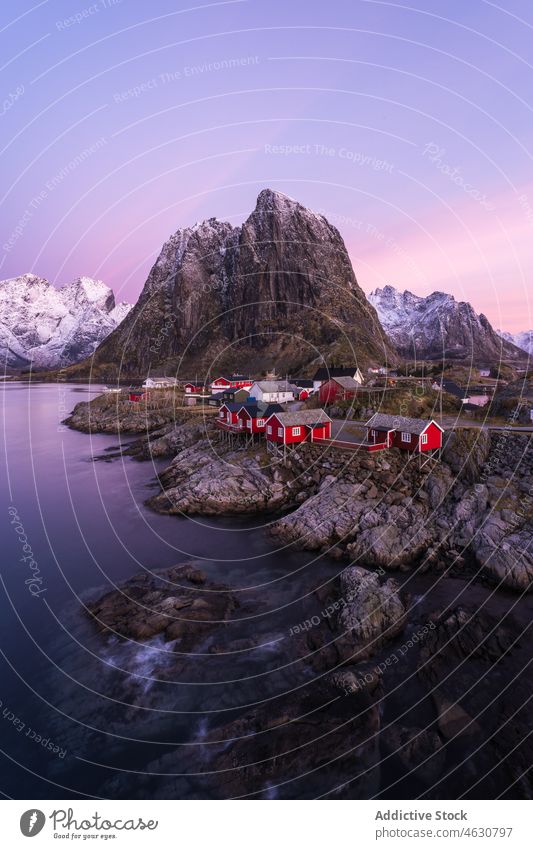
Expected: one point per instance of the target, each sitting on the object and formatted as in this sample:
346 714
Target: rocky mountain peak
278 288
85 291
523 339
438 326
47 327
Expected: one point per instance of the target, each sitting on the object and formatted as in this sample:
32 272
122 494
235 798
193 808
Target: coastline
366 630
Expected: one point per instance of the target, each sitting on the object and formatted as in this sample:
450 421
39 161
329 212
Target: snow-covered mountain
523 340
438 327
49 327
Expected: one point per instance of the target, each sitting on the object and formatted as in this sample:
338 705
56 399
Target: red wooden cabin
236 381
298 426
192 388
229 414
255 417
418 435
233 415
137 395
338 389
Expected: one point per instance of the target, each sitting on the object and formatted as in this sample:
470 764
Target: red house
232 415
402 432
191 387
338 389
255 416
137 395
304 385
298 426
236 381
229 414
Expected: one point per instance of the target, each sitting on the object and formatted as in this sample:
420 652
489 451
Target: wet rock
475 667
452 719
419 750
178 603
298 746
373 613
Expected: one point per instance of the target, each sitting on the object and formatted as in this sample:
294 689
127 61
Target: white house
159 382
273 391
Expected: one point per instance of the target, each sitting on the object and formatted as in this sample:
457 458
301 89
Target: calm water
83 714
87 528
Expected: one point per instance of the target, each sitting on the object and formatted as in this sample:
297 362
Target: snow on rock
522 340
48 327
438 326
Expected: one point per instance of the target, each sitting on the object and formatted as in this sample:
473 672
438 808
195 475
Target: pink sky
179 109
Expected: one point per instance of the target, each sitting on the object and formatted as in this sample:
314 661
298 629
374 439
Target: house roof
231 378
261 410
302 382
383 421
234 390
332 371
346 382
302 417
454 389
163 377
235 406
275 386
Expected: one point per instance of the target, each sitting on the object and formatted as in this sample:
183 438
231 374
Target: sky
409 125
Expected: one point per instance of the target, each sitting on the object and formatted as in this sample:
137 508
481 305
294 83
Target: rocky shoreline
386 690
437 699
382 511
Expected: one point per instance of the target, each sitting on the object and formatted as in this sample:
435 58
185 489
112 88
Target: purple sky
409 126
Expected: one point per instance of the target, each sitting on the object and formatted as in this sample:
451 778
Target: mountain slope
49 328
523 340
280 289
439 327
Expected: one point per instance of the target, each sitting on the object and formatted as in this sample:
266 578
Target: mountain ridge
439 327
45 327
523 339
278 289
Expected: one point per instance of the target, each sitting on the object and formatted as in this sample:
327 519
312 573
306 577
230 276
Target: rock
373 613
177 603
465 451
419 750
505 552
351 680
473 664
292 747
203 301
453 720
223 483
114 413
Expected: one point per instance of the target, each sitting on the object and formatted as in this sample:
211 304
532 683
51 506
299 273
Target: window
424 439
296 431
260 422
280 431
406 437
269 429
